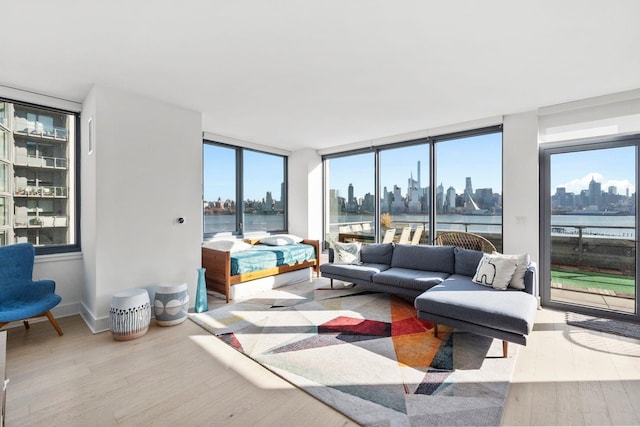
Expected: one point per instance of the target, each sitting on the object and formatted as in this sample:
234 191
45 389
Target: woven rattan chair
465 240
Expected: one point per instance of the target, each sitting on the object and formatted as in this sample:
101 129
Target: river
594 225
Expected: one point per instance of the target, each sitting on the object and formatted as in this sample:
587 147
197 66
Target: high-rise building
36 157
595 193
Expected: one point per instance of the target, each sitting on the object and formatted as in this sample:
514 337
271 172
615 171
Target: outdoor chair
389 235
465 240
21 298
417 234
404 236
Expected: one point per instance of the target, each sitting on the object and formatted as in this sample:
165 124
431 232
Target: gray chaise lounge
439 281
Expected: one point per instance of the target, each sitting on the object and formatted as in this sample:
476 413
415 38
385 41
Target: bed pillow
495 270
280 239
227 245
346 253
522 263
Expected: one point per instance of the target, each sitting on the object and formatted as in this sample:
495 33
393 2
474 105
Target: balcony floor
601 300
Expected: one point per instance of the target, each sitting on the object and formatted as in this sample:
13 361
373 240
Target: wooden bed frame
218 268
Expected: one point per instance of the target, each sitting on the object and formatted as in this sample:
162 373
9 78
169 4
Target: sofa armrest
531 280
331 254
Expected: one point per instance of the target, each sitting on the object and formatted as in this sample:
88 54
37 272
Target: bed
226 268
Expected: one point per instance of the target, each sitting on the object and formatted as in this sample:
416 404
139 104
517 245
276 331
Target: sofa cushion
459 298
359 272
377 253
425 258
409 278
466 261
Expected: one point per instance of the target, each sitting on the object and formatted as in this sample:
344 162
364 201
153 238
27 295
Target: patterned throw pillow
346 253
495 270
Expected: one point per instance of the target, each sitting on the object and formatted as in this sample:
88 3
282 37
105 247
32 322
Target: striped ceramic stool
130 314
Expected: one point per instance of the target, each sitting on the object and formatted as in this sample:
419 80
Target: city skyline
456 159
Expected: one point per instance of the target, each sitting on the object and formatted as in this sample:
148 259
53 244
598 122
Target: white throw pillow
346 253
495 270
280 239
522 263
227 245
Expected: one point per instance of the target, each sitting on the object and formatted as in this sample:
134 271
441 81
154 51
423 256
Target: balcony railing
41 191
27 127
42 221
42 162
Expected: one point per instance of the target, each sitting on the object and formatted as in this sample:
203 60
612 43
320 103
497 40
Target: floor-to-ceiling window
469 185
244 190
456 179
589 241
350 206
405 197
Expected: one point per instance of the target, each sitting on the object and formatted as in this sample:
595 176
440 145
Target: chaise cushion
459 298
425 258
357 272
409 278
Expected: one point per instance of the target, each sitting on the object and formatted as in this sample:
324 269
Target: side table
171 304
130 314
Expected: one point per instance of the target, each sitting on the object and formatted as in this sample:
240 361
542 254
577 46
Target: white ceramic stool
130 314
171 304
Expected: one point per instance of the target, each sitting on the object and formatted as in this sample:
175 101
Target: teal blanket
261 257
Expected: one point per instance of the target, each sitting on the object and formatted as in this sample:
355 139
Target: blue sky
262 173
478 157
612 166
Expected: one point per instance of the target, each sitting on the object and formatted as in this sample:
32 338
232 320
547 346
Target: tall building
36 153
595 193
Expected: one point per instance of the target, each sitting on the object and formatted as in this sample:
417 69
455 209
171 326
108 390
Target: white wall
66 271
144 173
305 194
521 216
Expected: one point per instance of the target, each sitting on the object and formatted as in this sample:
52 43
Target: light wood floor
181 375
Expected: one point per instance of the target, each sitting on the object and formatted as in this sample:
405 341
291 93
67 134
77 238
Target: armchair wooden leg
26 324
435 330
505 349
53 322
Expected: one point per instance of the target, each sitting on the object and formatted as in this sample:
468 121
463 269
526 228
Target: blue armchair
20 297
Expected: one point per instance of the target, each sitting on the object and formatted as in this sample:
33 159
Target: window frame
74 176
431 141
545 151
239 191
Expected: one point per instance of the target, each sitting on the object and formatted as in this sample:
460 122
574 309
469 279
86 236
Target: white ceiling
294 73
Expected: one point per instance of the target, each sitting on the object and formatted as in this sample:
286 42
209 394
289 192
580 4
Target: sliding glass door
590 226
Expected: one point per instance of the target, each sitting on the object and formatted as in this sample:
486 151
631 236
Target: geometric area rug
367 355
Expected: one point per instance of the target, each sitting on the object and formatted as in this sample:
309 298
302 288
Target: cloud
579 184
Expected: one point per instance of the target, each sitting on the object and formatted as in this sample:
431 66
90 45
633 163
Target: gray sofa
438 280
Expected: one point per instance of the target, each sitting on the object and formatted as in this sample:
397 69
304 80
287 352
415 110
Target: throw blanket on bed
261 257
